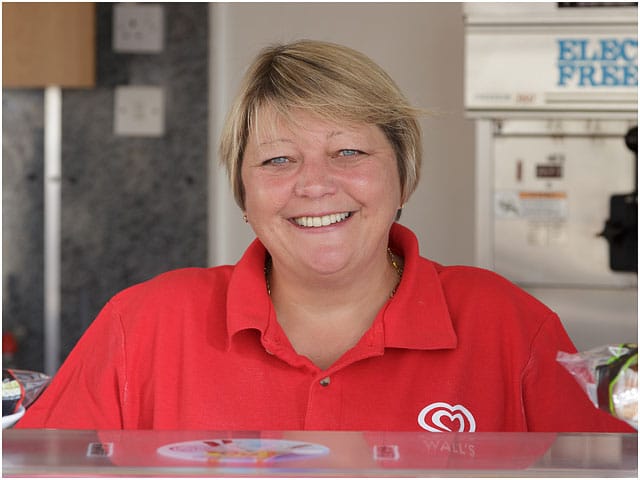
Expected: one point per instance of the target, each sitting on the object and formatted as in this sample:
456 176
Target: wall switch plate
139 111
138 28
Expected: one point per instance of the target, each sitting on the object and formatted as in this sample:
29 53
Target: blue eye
276 161
349 152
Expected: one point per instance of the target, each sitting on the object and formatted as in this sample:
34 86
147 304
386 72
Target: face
321 197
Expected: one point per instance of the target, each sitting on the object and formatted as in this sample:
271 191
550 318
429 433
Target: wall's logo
442 417
605 62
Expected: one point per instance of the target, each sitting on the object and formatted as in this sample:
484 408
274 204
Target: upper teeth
321 221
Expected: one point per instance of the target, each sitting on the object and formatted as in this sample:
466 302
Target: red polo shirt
456 349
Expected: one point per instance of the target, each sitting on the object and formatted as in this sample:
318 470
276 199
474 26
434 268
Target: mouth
322 221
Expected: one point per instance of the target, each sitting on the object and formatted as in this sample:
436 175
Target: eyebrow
276 140
333 133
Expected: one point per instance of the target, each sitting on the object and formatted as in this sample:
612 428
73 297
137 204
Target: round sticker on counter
242 450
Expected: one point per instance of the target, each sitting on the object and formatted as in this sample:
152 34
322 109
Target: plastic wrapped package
20 388
609 376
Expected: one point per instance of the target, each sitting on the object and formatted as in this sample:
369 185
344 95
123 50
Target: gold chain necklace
392 258
398 268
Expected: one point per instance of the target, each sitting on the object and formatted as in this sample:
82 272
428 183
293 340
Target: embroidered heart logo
447 422
442 417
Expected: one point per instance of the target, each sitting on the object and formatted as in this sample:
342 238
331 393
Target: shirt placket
324 404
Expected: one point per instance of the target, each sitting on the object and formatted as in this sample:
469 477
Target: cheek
263 192
379 186
251 192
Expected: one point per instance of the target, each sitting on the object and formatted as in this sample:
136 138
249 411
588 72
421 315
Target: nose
315 178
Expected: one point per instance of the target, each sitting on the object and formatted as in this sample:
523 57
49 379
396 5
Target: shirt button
325 381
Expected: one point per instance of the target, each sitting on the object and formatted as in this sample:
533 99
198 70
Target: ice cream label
242 450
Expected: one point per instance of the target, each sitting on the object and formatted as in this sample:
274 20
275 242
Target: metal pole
52 201
484 194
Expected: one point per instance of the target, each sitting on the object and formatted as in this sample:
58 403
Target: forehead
270 126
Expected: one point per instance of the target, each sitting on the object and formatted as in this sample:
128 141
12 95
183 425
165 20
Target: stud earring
244 217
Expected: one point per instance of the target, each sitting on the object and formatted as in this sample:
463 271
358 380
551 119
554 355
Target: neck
324 316
379 280
343 304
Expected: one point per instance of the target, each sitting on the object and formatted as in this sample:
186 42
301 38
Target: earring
244 217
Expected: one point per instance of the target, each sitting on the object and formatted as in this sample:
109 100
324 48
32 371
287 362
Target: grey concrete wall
132 207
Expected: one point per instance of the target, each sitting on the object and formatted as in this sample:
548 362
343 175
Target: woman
331 319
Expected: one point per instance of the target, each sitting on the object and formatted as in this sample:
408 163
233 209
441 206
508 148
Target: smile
322 221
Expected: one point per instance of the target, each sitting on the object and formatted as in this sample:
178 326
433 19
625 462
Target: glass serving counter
316 454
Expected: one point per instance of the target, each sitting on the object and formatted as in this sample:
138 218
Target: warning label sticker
531 205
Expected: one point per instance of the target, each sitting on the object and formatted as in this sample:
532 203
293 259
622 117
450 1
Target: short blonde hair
333 82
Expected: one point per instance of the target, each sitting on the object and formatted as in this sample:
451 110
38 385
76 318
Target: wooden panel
48 44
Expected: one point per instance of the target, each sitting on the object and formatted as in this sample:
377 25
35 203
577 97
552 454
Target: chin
325 264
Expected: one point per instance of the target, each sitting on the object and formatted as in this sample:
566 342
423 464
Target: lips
321 221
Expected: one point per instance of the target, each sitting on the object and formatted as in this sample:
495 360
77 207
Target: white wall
420 45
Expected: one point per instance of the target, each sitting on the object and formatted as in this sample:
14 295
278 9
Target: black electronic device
621 228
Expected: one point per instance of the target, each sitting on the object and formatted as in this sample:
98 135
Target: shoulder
176 287
491 298
478 282
471 294
182 281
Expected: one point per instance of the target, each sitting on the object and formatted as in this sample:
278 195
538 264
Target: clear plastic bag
20 388
609 376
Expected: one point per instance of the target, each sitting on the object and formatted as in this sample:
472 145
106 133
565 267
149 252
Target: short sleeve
88 390
553 400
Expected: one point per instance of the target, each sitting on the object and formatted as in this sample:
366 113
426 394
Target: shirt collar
248 303
416 317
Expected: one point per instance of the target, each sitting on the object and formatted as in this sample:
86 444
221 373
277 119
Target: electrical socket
138 28
139 111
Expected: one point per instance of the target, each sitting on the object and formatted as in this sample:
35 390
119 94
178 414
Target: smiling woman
331 320
308 76
324 217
